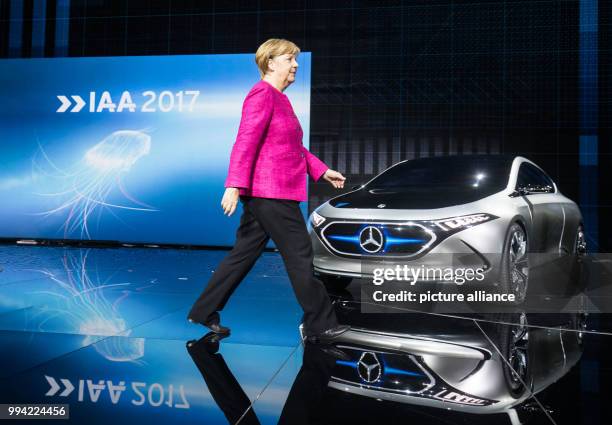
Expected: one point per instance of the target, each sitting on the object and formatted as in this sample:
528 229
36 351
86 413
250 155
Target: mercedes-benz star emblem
368 367
371 239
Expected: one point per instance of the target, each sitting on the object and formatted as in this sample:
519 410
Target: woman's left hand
335 178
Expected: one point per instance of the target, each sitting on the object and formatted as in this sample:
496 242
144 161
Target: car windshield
474 173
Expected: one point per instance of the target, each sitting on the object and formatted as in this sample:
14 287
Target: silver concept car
488 370
493 209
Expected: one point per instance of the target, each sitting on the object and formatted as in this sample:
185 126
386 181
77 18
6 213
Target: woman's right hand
230 200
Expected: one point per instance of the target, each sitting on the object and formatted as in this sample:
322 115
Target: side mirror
541 189
519 191
529 190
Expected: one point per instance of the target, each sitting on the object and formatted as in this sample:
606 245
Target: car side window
532 179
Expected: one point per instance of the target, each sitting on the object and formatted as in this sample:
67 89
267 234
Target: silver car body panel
550 221
466 367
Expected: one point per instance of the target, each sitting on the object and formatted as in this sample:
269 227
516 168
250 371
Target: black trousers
222 384
304 402
281 220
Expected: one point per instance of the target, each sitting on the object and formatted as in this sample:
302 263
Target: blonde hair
273 47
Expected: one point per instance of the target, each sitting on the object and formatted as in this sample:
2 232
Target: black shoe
210 342
213 324
328 334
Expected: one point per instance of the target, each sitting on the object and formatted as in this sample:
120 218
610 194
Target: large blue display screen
130 149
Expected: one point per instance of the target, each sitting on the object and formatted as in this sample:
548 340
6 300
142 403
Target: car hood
409 198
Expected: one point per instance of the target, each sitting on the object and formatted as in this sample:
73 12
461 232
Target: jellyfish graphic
86 186
77 298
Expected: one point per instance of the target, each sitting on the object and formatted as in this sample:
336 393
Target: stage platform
105 331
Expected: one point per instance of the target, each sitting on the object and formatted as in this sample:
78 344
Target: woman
267 172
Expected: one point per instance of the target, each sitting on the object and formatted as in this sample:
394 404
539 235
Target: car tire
580 244
335 282
514 345
577 269
514 275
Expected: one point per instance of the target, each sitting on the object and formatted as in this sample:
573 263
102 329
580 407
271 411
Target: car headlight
455 224
316 219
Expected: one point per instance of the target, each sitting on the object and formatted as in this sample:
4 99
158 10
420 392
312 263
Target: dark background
391 80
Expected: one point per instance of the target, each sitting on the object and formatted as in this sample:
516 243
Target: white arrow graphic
69 388
65 104
79 104
55 387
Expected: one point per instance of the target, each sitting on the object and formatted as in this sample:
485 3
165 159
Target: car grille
382 371
377 239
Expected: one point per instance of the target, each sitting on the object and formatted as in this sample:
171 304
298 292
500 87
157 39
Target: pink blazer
268 159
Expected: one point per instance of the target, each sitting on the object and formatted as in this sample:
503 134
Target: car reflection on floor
473 371
492 367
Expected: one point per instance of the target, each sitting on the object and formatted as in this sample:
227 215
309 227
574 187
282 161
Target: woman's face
284 67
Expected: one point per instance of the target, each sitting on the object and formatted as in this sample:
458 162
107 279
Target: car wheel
578 272
336 282
580 244
579 325
515 349
515 264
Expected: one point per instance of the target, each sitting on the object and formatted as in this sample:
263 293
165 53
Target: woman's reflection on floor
306 392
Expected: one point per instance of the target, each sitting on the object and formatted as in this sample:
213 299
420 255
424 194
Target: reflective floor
105 331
